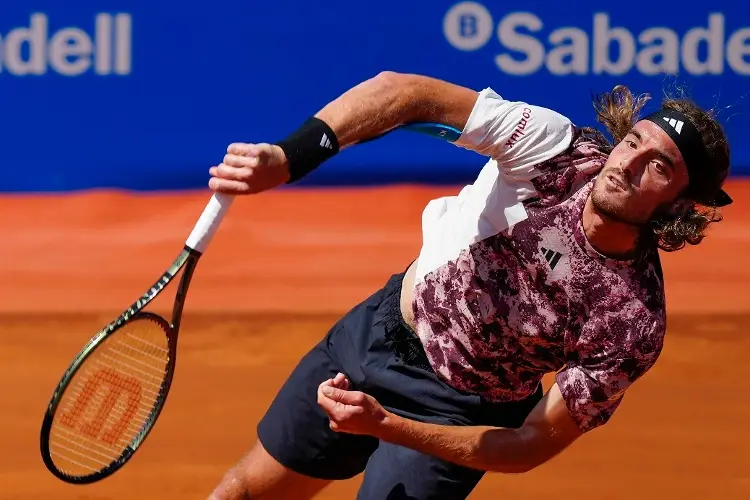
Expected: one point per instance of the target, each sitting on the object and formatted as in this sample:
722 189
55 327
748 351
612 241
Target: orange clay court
280 270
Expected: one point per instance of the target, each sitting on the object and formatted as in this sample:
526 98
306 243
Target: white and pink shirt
508 288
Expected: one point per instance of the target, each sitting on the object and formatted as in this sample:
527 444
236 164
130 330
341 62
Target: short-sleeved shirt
508 288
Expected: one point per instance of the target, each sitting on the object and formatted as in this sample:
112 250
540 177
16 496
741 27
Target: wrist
282 160
308 147
390 428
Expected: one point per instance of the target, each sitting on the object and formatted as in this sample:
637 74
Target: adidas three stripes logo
551 257
676 124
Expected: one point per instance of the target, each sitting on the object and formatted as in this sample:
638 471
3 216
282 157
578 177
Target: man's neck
609 236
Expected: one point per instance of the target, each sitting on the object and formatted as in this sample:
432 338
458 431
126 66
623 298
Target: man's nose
630 166
626 169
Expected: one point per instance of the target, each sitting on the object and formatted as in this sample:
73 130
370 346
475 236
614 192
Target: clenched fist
351 412
249 168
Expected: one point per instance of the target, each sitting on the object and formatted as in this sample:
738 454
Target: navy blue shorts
382 357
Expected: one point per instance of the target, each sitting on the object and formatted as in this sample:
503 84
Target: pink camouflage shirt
509 289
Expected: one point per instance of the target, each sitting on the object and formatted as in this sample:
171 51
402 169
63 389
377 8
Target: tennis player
547 263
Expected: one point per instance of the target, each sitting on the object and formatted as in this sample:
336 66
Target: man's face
644 173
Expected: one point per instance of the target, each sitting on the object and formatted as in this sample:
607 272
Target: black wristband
308 147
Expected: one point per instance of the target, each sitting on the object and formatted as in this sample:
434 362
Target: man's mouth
617 182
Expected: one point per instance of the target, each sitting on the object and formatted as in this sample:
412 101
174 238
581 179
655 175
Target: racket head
109 399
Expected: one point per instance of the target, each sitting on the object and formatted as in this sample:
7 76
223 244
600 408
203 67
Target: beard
615 204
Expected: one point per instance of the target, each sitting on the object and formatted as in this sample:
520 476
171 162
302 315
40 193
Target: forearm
381 104
478 447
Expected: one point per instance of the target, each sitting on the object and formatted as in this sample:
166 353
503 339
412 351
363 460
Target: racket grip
209 222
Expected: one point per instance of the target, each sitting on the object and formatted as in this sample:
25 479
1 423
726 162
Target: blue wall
131 95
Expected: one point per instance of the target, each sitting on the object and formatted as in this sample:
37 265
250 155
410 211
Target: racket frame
186 261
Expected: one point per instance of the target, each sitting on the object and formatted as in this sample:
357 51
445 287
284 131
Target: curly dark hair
685 222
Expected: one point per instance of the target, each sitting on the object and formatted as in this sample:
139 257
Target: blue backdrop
147 96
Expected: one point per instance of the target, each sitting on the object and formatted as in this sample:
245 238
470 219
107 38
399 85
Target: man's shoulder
629 302
587 150
626 328
636 284
516 134
568 171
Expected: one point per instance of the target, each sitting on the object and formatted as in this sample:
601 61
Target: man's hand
352 412
249 169
547 431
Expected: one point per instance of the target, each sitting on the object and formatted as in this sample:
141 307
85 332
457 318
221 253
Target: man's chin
610 206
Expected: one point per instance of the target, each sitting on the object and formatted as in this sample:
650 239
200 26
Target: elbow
397 85
391 79
399 92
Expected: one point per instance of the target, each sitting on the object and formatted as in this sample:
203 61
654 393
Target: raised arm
515 134
364 112
389 100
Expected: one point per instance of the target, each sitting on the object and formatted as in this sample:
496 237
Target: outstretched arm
547 431
366 111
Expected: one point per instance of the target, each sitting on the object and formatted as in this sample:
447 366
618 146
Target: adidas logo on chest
551 256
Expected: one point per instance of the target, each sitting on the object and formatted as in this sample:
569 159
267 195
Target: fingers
345 408
227 186
224 171
249 168
242 149
238 161
234 175
336 409
261 150
341 381
336 395
328 405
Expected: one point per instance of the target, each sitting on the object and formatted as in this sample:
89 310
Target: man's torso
509 307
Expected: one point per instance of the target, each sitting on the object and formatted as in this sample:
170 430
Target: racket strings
110 399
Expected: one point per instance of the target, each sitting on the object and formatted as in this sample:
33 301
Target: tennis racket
114 390
109 398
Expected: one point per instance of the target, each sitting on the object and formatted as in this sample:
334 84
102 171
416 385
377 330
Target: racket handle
209 222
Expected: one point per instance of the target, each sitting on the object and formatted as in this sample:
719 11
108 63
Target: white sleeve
515 134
